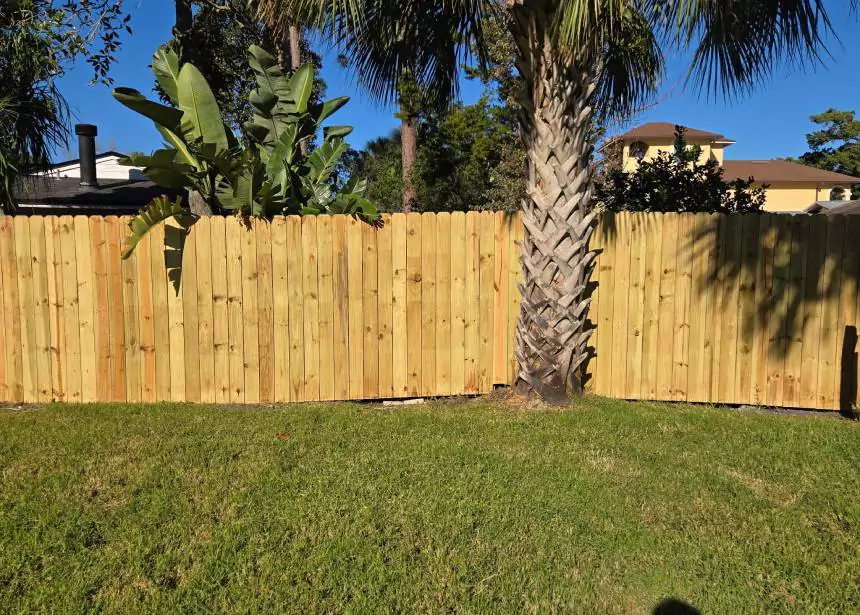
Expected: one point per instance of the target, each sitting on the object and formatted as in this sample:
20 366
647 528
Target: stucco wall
793 197
654 148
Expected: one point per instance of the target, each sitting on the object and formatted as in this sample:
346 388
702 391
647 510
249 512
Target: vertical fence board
501 279
794 312
829 283
729 310
147 320
443 304
485 310
746 308
206 309
340 330
281 314
310 308
606 276
623 238
428 303
100 258
131 324
515 299
266 310
777 340
683 287
327 314
636 300
296 308
370 313
653 240
53 257
385 275
191 325
811 329
220 310
161 323
235 307
11 313
41 310
26 309
473 289
759 316
86 308
666 307
71 328
355 261
413 305
699 243
113 236
459 303
250 313
399 321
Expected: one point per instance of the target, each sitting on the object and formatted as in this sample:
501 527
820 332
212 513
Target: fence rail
689 307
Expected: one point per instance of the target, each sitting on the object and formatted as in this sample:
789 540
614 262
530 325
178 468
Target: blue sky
770 123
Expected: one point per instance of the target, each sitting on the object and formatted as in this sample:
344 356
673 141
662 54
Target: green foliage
219 38
836 146
678 181
270 175
469 158
159 210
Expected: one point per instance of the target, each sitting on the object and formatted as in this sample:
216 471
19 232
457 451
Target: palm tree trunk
295 47
183 21
552 334
408 154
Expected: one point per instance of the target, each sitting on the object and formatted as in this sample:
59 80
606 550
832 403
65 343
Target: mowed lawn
479 507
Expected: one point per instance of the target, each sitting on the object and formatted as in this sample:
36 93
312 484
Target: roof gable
666 130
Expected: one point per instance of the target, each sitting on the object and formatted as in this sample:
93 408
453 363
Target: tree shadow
674 606
175 235
781 268
848 373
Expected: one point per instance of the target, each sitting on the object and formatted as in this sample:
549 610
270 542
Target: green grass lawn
608 507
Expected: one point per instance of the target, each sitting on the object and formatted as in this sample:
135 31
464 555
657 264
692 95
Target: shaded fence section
742 309
299 309
751 309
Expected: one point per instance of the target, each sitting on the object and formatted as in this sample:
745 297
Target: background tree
836 145
574 56
678 181
39 41
218 37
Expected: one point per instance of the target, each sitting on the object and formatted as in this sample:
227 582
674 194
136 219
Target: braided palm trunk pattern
552 338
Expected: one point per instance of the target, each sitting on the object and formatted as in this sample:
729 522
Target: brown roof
666 130
780 171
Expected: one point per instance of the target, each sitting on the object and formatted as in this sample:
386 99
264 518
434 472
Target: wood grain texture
265 309
413 305
296 308
41 314
370 313
327 311
250 313
233 230
281 313
220 309
459 303
340 328
71 329
12 323
443 303
205 309
428 303
385 298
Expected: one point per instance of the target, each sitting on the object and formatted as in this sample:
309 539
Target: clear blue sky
770 123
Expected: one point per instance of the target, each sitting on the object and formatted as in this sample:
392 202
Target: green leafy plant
269 175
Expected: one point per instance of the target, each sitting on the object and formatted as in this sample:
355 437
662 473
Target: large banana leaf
301 86
323 110
162 115
324 158
160 209
165 66
201 118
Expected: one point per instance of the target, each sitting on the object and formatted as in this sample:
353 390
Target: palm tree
574 57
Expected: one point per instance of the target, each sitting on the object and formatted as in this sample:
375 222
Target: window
638 150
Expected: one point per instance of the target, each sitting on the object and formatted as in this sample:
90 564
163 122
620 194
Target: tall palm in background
576 57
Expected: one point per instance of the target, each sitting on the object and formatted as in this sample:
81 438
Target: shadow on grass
673 606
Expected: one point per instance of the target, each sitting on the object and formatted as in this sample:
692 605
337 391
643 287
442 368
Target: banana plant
270 175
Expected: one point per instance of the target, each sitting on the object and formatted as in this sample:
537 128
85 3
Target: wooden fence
704 308
741 309
299 309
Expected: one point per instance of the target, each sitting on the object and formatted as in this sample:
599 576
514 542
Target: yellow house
790 187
